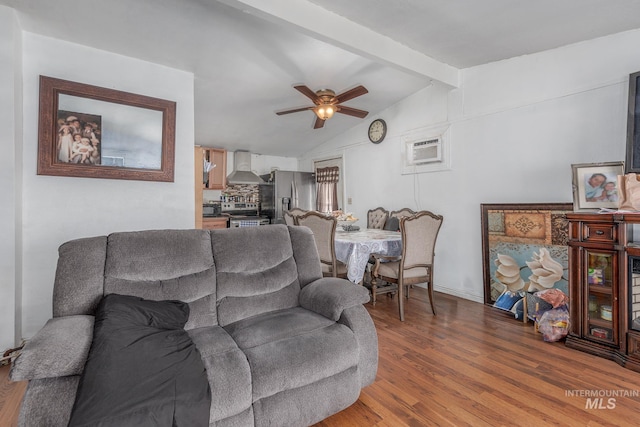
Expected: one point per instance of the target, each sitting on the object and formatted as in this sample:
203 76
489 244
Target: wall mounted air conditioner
423 152
426 150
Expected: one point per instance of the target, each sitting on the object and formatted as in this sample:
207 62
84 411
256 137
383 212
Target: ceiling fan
327 103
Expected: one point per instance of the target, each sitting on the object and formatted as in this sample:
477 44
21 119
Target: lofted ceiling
246 55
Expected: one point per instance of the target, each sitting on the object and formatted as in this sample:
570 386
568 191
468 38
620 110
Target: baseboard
456 293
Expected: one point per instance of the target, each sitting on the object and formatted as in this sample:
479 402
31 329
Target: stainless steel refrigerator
286 190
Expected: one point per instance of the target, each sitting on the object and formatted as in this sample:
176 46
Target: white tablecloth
354 247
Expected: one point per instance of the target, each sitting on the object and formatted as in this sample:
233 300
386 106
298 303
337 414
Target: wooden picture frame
520 230
93 132
595 185
632 159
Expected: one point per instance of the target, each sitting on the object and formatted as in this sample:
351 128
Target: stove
244 214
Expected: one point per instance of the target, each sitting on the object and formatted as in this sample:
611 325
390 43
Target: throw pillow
392 224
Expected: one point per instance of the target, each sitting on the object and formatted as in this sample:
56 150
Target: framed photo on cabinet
595 185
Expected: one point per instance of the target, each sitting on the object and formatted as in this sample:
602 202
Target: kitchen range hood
242 173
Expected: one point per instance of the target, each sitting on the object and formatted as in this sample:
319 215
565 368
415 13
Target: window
327 187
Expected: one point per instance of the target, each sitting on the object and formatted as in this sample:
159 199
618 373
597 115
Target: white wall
58 209
10 105
262 164
515 128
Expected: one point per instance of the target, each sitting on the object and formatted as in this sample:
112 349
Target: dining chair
324 233
415 265
291 215
393 223
376 218
402 213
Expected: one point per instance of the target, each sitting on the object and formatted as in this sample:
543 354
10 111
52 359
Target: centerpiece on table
346 220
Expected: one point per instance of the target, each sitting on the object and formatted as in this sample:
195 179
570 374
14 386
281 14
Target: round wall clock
377 131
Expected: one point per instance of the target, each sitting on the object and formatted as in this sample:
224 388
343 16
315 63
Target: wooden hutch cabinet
602 301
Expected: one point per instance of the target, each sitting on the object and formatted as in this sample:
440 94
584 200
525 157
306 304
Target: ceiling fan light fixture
327 103
324 111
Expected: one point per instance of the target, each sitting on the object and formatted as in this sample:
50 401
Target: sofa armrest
59 349
359 321
330 296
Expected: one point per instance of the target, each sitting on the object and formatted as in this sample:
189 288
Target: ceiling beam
334 29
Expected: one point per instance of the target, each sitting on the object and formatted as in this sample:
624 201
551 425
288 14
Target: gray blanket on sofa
143 369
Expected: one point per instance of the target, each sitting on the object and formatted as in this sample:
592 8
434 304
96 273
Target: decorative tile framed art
520 238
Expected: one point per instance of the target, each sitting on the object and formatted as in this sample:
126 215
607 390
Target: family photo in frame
78 138
595 185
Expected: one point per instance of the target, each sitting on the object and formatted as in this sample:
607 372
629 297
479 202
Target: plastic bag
554 324
628 192
553 296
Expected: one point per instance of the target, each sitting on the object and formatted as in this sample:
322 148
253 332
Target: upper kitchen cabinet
210 174
214 167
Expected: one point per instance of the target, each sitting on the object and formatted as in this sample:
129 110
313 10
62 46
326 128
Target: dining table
355 247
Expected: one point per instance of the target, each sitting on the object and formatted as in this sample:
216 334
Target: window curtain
327 184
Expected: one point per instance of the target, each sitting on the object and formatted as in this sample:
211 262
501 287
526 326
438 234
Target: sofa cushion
165 265
292 348
309 404
256 271
274 326
158 254
194 289
227 370
391 269
59 349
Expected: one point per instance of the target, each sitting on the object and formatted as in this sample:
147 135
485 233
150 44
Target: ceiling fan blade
352 111
308 93
295 110
319 123
351 93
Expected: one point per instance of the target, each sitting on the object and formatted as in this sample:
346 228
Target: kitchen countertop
225 216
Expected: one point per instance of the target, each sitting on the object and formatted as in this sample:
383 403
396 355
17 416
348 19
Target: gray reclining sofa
282 346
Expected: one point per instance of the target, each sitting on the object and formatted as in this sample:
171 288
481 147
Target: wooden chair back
404 212
377 218
419 235
291 215
324 232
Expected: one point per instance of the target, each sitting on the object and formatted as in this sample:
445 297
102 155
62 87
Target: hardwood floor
473 365
10 396
470 365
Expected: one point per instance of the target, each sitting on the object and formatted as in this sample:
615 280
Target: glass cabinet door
634 292
600 269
